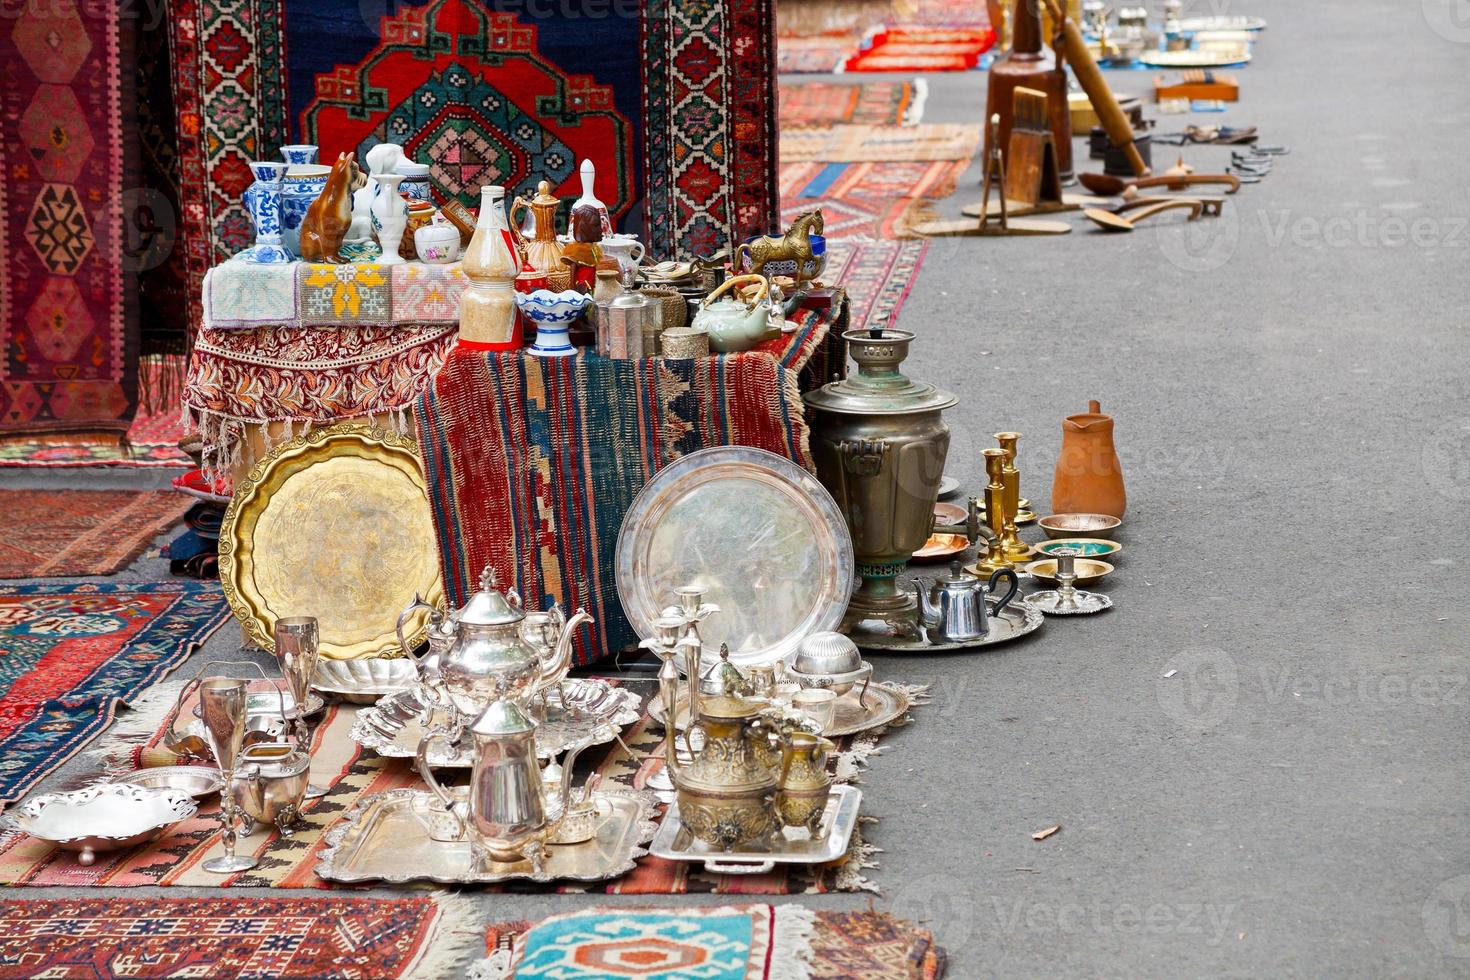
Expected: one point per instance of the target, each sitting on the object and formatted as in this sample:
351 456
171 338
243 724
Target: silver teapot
954 607
269 785
508 817
486 650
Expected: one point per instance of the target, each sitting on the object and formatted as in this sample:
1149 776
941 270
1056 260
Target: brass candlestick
1015 549
995 510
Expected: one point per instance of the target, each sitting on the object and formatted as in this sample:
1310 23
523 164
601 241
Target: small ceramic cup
818 704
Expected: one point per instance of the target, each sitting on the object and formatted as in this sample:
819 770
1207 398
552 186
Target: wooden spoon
1110 186
1111 221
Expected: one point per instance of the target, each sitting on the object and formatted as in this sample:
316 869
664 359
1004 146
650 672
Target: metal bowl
105 817
826 652
364 681
1089 571
197 781
1085 547
1080 526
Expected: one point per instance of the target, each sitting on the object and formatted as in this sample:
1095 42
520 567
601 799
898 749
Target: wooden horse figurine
794 246
329 216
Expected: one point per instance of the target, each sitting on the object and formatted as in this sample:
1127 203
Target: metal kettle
954 607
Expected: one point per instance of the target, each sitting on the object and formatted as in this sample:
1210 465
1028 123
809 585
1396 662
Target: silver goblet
222 703
298 647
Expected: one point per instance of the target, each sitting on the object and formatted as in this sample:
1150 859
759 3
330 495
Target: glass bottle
487 309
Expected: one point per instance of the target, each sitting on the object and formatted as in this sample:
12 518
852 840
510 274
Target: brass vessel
1015 549
543 252
880 443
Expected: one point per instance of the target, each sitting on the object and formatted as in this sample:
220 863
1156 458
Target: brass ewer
542 252
880 442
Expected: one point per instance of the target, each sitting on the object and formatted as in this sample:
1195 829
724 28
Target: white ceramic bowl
545 306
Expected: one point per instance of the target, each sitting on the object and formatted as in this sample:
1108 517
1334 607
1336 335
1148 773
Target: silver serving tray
674 842
758 533
883 706
364 681
395 725
386 837
1013 622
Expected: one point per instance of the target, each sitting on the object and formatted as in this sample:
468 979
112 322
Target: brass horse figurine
794 246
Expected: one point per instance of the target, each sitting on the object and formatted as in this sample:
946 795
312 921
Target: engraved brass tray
674 842
1011 623
394 726
333 524
386 837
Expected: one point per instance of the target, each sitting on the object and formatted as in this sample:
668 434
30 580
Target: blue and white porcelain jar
263 199
304 183
415 180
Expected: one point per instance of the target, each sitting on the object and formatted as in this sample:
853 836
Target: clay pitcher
1089 478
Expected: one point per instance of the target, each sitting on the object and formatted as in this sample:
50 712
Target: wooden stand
995 177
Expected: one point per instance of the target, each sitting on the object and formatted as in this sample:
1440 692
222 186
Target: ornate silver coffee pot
485 650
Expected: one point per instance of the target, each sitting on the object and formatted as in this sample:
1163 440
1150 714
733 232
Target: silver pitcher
954 607
490 655
506 819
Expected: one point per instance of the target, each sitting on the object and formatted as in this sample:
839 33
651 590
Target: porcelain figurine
487 309
543 252
1089 478
263 199
589 199
327 219
734 324
390 217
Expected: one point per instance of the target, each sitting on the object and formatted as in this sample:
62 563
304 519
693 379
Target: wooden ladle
1114 221
1110 186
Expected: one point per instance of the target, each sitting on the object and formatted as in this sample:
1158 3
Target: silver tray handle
736 868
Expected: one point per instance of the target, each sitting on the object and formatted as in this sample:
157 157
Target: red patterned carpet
54 533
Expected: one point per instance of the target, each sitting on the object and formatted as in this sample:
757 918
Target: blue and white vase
263 199
299 153
415 180
304 184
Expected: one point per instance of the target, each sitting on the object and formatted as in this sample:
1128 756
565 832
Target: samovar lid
879 388
489 607
502 718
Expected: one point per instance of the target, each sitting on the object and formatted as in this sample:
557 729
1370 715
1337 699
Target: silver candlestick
1065 599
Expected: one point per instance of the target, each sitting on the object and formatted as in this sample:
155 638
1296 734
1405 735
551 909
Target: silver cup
222 703
298 648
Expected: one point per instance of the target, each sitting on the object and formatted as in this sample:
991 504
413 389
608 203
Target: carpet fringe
861 856
852 761
135 728
791 949
458 933
224 442
915 110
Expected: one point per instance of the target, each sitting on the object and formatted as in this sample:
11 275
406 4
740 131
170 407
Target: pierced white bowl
105 817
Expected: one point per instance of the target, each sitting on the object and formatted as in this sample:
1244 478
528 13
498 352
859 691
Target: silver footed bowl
105 817
394 726
827 652
364 681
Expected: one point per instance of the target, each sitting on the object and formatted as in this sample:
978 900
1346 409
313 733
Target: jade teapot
734 324
487 651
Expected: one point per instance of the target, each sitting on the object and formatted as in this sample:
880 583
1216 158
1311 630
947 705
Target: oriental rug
857 143
674 103
295 938
56 533
921 48
872 945
531 463
351 774
73 652
68 333
875 103
815 54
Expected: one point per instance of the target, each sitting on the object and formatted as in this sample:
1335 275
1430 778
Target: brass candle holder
995 514
1015 549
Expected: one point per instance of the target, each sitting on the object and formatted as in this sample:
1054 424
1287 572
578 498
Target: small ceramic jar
415 180
437 242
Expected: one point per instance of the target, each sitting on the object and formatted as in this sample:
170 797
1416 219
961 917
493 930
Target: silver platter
883 705
763 539
197 781
364 681
395 725
386 837
790 846
1011 623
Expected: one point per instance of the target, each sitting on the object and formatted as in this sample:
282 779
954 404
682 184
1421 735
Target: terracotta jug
1089 478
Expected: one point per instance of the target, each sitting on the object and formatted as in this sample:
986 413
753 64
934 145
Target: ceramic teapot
506 817
481 653
955 606
734 324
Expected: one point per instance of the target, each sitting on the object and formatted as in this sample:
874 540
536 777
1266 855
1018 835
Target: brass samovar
880 442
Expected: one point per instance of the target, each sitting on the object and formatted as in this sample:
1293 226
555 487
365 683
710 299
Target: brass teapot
486 650
732 793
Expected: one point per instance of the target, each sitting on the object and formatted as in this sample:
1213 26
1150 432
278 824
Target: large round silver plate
758 533
1011 623
394 726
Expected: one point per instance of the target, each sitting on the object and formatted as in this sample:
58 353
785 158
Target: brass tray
333 524
674 842
1011 623
386 837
